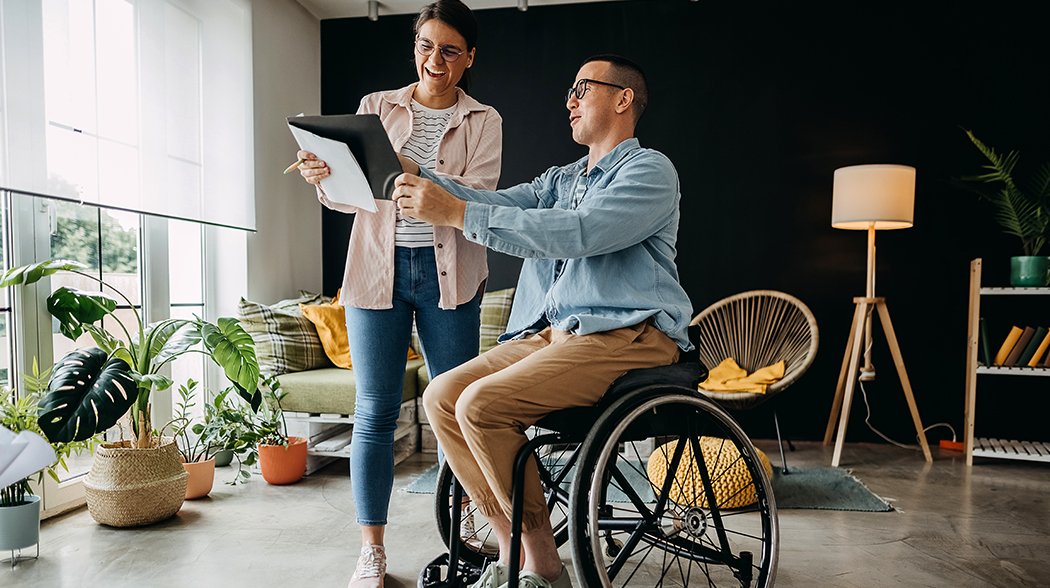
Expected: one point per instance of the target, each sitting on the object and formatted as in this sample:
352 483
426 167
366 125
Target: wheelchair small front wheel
676 485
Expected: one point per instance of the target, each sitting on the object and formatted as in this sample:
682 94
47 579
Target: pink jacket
470 153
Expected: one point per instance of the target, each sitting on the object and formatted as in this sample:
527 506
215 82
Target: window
6 348
186 292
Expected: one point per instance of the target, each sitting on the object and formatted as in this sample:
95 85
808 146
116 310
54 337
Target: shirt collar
464 103
613 157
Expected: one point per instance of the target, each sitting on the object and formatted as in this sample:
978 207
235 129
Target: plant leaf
156 381
173 339
233 349
87 394
76 308
29 274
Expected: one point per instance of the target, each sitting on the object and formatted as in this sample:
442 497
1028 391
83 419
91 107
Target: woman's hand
408 166
312 169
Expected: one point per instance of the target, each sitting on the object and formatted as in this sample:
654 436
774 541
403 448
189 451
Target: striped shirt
428 127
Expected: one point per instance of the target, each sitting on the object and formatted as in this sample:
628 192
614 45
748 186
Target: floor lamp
870 198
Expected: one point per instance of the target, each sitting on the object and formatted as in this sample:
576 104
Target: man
598 295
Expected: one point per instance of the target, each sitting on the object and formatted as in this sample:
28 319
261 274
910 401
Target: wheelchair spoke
709 491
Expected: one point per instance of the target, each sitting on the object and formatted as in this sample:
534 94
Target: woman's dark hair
457 15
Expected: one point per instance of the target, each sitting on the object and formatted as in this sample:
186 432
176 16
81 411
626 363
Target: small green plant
1021 208
20 414
228 424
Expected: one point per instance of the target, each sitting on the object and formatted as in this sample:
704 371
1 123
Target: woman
398 268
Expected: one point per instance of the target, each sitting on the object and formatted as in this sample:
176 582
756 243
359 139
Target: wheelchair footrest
431 576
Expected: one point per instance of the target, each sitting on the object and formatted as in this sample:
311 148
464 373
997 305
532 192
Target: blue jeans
379 340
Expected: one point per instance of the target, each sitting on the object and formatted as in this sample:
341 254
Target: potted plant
1021 208
282 459
19 507
195 441
137 481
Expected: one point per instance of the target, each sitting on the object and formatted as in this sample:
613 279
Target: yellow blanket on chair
730 377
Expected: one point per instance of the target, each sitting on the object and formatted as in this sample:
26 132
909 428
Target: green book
985 349
1029 350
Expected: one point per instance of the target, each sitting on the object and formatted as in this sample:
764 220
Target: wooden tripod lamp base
848 375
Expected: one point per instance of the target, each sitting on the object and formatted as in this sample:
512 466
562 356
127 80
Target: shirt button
441 161
440 245
444 273
473 235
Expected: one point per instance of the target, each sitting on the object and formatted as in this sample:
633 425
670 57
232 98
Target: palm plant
91 389
1021 210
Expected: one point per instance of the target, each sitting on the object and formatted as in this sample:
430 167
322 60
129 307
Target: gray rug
804 488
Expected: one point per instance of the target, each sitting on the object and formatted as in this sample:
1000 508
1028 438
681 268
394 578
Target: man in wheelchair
598 296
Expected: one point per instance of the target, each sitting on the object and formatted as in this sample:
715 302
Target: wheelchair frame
629 405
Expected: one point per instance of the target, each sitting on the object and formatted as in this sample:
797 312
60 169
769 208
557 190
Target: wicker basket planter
128 487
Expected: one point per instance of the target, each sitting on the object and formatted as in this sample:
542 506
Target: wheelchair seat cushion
575 423
730 479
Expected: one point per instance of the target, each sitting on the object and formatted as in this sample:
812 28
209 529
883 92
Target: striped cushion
285 340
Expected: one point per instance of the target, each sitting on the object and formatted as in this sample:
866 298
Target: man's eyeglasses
583 85
425 47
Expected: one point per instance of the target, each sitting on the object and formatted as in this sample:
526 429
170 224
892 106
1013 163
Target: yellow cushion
728 376
330 322
730 479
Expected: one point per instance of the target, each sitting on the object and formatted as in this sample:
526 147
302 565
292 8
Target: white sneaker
371 568
493 576
534 580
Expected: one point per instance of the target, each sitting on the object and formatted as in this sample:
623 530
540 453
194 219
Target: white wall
285 254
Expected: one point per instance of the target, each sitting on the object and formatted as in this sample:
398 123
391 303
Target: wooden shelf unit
988 447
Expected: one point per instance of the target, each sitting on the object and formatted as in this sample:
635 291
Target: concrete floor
954 526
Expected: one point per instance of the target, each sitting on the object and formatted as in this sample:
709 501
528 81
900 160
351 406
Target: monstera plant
92 388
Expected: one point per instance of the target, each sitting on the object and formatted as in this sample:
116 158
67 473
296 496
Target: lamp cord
867 421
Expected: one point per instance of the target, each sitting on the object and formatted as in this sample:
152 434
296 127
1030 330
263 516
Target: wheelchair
655 485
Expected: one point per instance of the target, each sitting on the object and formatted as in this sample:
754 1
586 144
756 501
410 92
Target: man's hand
426 201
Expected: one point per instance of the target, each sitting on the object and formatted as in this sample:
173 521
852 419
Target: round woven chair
757 328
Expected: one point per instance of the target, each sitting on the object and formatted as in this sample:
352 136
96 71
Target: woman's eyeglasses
583 85
426 48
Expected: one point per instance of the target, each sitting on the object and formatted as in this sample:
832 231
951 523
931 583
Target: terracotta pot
202 476
283 465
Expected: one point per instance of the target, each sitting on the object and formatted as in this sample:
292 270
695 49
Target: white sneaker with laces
493 576
371 568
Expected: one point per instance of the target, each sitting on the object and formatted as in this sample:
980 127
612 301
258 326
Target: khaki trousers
479 411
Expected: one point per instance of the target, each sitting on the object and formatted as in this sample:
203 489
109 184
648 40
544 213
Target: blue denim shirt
605 264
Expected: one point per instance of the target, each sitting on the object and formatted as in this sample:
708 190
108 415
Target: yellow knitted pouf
729 476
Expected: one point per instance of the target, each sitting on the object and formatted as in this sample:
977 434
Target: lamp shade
879 195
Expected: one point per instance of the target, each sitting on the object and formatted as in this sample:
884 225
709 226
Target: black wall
757 104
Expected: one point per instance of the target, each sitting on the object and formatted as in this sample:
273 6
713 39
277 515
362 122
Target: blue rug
802 488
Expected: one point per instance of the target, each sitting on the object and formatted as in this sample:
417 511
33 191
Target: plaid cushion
285 340
495 313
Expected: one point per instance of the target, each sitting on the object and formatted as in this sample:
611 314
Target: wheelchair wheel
641 513
478 543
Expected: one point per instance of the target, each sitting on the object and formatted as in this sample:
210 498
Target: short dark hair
456 15
629 75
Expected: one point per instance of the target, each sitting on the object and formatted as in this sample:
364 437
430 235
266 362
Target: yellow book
1008 345
1039 351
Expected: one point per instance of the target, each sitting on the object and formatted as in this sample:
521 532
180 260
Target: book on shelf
1008 345
1019 347
985 350
1037 357
1033 344
1046 362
